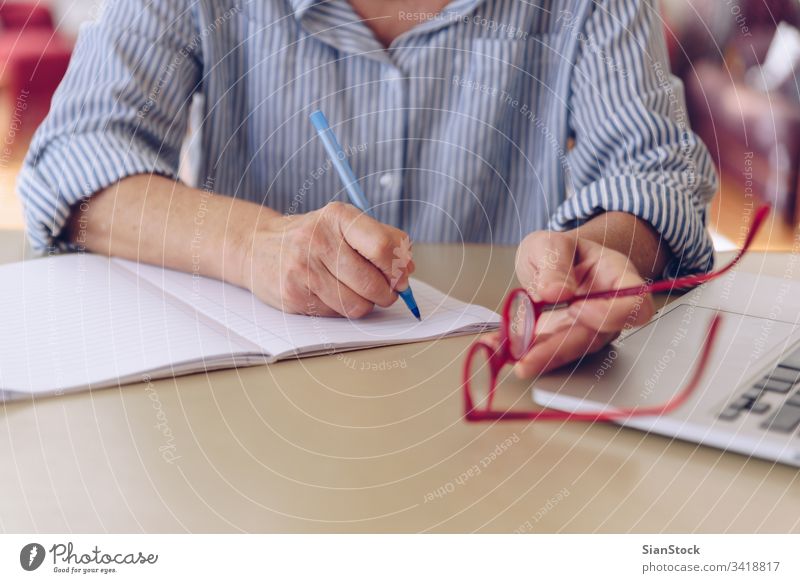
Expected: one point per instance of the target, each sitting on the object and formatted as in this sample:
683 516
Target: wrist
243 244
631 236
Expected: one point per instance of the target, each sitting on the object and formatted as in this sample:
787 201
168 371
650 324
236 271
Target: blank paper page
79 321
282 335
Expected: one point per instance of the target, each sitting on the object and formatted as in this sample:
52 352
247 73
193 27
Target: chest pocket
487 81
498 92
507 79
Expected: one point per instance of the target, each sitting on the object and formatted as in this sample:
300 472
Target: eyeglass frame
501 355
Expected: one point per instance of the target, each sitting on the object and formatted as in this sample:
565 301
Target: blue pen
357 198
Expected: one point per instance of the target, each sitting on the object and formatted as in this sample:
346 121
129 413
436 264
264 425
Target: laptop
748 399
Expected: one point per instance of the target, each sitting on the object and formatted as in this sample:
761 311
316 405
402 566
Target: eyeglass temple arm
611 415
474 414
668 284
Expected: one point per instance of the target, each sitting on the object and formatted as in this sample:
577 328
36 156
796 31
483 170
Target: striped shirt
472 127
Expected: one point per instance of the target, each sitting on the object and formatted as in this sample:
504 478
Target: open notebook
81 321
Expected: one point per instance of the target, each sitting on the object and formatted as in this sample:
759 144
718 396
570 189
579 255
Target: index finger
544 265
612 315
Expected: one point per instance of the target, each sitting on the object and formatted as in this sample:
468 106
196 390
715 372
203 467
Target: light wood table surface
338 444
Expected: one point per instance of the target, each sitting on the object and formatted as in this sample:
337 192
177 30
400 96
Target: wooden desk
731 212
319 445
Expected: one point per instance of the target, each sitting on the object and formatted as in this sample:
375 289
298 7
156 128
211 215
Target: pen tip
408 298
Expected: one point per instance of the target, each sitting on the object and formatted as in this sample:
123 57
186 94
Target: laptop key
792 360
784 374
741 404
750 401
768 384
794 399
785 420
752 394
730 414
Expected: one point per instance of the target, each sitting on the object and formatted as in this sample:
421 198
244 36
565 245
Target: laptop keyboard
783 383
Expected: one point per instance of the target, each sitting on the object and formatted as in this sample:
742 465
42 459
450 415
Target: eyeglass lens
521 325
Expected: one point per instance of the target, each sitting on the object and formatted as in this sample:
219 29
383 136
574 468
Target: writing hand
335 261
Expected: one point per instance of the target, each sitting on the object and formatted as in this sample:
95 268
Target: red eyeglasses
518 334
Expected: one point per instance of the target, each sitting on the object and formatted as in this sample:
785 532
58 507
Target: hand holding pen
333 261
356 195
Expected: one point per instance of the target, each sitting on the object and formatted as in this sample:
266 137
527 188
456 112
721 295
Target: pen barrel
354 192
339 160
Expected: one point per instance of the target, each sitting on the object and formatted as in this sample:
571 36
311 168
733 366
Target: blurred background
36 40
738 59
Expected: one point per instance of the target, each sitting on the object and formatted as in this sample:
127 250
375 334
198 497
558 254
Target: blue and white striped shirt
460 131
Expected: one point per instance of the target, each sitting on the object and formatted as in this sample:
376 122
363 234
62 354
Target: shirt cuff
63 174
673 214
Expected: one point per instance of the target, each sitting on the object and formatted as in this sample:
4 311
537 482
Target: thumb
387 248
544 265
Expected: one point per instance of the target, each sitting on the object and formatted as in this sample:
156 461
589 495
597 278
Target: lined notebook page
80 321
282 335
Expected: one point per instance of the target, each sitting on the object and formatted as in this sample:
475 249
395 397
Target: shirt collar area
453 12
299 7
336 23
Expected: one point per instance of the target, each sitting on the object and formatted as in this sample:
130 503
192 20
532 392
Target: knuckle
293 278
336 251
314 282
335 206
387 300
337 210
372 284
384 245
294 271
359 309
382 292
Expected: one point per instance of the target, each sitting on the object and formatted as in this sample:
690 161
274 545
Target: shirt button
392 75
387 180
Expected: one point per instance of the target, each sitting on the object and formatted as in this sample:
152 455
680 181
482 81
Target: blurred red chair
33 59
753 135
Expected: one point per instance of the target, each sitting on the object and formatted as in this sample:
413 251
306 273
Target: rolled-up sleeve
633 148
121 110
